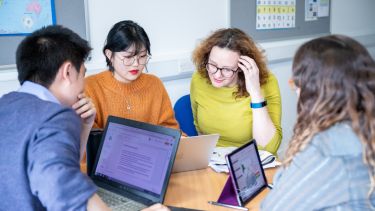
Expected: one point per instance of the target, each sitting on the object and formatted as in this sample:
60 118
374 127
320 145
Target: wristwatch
258 105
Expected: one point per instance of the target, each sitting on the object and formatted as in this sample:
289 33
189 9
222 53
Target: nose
218 74
136 61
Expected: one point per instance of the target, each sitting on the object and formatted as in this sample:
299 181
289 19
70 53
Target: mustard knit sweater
144 99
215 110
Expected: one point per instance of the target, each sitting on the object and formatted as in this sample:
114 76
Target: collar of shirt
38 90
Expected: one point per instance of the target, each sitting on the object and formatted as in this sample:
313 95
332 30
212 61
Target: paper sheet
218 162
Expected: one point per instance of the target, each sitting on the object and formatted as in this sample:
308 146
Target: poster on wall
275 14
315 9
22 17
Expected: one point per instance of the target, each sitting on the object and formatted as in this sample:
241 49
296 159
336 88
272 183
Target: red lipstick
134 72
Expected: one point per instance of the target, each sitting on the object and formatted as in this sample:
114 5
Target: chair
184 115
92 147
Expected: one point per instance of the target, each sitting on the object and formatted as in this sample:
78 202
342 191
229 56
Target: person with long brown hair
330 161
233 93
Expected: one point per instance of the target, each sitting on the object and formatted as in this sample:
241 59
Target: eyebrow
215 63
133 52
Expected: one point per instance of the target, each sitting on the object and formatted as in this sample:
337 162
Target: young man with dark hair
40 132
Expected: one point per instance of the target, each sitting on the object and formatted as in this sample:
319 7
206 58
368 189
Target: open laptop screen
135 157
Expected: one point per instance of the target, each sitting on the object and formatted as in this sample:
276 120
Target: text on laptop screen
247 171
135 157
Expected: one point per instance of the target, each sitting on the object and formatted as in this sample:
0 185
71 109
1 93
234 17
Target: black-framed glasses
226 72
142 59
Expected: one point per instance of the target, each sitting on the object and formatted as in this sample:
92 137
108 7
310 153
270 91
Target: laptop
246 176
194 152
134 163
92 147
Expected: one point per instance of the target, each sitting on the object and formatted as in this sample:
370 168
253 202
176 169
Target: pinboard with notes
273 20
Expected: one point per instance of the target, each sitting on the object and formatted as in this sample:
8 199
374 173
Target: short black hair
122 36
40 55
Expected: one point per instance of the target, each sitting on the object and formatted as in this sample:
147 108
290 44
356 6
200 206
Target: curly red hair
235 40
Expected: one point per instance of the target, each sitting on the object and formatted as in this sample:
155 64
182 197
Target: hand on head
85 109
251 72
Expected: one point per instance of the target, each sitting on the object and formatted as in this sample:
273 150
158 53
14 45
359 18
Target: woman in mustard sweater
124 90
233 93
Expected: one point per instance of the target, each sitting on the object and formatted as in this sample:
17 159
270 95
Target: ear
298 91
108 54
66 72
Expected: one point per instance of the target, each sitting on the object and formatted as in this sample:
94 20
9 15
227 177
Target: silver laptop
194 152
134 163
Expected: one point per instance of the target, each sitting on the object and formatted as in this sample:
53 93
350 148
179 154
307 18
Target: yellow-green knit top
216 110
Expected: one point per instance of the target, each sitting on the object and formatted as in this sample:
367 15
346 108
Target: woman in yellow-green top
233 93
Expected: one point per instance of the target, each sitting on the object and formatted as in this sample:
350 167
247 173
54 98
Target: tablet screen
246 171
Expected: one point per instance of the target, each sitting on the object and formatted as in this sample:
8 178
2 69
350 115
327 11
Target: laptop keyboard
118 202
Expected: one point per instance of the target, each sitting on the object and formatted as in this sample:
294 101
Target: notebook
133 163
194 152
246 175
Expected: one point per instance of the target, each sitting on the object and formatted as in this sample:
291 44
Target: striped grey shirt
328 175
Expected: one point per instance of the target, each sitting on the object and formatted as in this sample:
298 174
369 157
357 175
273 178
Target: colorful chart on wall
274 20
22 17
275 14
19 18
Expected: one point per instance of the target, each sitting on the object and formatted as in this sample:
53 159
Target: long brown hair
234 40
336 77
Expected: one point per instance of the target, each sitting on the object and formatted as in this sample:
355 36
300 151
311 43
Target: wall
353 17
175 27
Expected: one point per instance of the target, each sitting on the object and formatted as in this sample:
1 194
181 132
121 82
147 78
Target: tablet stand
228 194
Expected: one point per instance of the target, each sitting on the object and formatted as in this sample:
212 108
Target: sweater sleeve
90 92
167 117
272 95
53 164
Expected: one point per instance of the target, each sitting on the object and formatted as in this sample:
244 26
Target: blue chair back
184 115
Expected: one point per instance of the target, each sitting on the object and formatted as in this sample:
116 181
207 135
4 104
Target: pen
270 186
227 205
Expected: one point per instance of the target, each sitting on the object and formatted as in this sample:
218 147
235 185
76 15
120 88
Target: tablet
246 172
